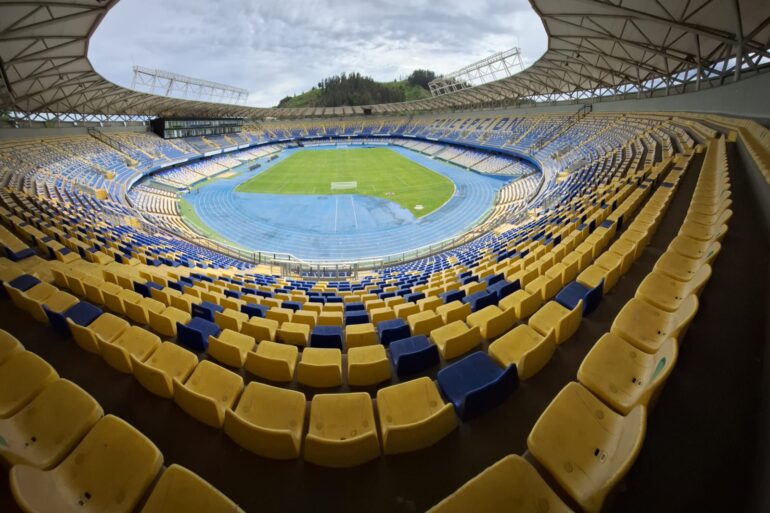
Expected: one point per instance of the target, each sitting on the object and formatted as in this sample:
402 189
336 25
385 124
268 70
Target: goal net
337 186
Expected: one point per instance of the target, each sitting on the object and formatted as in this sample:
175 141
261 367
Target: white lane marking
336 211
353 204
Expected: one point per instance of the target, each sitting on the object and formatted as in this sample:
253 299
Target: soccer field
378 172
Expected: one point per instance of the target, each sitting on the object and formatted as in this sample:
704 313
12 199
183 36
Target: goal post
341 186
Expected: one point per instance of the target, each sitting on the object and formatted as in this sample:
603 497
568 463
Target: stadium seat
43 432
544 286
9 346
320 367
704 251
22 377
480 299
230 347
455 339
666 293
280 314
522 302
139 311
307 317
169 362
179 489
272 361
208 392
134 341
423 323
453 311
476 384
268 421
553 316
331 318
229 319
108 471
525 348
82 314
492 321
342 430
678 267
165 322
260 329
511 484
590 295
647 328
106 327
327 336
195 334
413 416
388 331
585 446
413 354
404 310
358 335
116 301
368 365
293 333
206 310
623 376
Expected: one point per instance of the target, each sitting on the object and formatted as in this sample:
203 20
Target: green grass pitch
379 172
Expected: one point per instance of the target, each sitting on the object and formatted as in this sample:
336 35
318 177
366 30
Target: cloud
276 48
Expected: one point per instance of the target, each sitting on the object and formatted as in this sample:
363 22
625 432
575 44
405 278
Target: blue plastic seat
254 310
476 384
327 337
491 280
292 305
413 354
452 295
354 307
569 296
317 299
206 310
414 297
232 293
333 299
145 288
24 282
502 288
480 299
392 330
356 317
82 314
195 334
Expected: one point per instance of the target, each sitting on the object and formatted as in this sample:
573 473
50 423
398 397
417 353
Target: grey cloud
276 48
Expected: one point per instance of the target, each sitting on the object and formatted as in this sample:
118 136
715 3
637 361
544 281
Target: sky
278 48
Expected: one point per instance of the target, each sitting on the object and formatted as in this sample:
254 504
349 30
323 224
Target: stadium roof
595 47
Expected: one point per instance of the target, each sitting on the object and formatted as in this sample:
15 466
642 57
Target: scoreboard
172 128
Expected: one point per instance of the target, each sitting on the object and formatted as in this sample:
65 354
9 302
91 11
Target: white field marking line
336 211
353 204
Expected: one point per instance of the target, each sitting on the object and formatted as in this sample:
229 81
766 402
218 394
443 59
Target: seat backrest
179 489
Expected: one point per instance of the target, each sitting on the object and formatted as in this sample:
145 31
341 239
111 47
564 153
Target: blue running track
339 227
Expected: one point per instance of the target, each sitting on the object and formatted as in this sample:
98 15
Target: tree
421 77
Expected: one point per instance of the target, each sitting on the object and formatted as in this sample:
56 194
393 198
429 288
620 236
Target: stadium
537 288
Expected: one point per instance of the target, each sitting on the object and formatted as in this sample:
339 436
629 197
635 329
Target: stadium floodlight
174 85
500 65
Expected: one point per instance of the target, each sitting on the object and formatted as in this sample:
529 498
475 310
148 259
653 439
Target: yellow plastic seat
666 293
294 334
585 446
108 472
164 295
695 249
179 489
25 300
627 251
331 318
43 432
279 314
230 347
340 308
230 319
94 289
429 303
320 367
308 317
526 348
117 301
342 431
107 327
455 339
492 321
368 365
165 322
184 302
522 302
208 392
413 416
377 315
272 361
260 329
553 316
677 266
546 286
567 272
138 312
57 302
9 346
404 310
22 377
134 342
359 335
647 327
167 363
268 421
512 484
622 375
454 311
423 323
